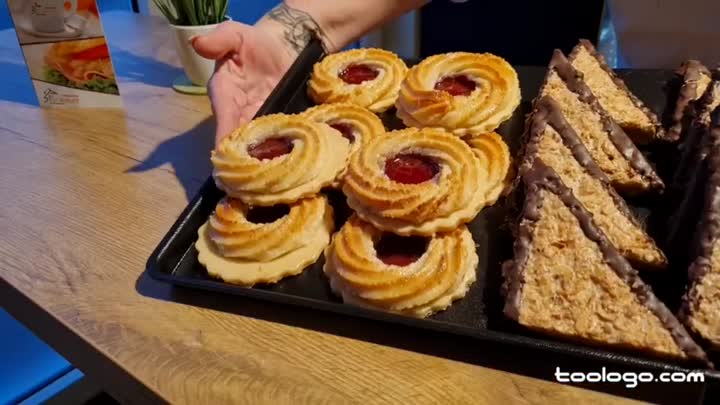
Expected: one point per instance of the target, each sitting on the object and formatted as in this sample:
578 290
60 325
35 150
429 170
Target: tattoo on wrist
299 26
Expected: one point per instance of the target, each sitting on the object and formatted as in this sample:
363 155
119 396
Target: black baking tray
479 314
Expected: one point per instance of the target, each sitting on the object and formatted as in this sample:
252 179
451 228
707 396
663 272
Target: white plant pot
197 68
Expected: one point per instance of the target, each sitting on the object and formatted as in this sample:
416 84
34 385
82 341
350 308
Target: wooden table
87 195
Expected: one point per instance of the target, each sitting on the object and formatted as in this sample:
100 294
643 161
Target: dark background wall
524 31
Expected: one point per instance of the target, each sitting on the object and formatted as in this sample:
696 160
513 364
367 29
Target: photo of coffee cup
39 21
50 16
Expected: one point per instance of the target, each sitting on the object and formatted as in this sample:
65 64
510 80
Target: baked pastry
686 215
419 182
367 77
683 91
465 93
248 245
628 111
414 276
566 279
701 304
553 141
699 122
356 124
688 179
494 153
690 82
278 159
710 100
626 167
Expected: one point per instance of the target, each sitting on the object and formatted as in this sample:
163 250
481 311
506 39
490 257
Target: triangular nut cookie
552 140
567 280
625 166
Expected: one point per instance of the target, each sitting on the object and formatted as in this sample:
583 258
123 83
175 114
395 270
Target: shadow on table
17 86
143 69
487 354
188 154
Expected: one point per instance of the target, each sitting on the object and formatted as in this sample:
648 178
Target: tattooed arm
336 22
250 60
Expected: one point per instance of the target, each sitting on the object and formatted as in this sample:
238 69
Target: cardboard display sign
66 52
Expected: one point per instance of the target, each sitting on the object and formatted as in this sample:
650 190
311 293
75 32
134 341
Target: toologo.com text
630 379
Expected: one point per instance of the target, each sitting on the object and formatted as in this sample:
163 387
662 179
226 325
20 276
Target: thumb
226 38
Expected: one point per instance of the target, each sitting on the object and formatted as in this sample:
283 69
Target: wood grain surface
88 194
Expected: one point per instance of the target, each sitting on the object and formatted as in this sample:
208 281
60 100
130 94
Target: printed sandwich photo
83 64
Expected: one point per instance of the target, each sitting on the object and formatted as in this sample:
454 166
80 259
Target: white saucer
69 32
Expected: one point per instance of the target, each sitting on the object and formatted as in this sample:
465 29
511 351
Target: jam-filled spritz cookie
248 245
465 93
494 155
418 182
356 124
415 275
367 77
278 159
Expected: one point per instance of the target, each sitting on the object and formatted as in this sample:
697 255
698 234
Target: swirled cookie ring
417 182
249 245
278 159
415 276
494 155
465 93
367 77
356 124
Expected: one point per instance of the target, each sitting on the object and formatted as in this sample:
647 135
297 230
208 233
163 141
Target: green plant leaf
164 8
221 6
193 12
198 11
188 10
215 12
208 9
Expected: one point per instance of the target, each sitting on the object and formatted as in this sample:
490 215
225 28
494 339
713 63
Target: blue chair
30 371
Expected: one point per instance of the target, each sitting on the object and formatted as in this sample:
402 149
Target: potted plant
189 18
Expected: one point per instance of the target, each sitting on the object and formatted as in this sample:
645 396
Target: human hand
250 61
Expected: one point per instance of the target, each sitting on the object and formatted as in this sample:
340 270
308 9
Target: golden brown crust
703 302
377 95
589 126
454 196
492 102
241 252
591 304
440 276
317 157
567 279
365 125
237 237
494 154
628 111
551 139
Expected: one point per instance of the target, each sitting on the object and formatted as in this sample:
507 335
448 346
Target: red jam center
267 215
270 148
358 73
400 250
411 168
460 85
345 129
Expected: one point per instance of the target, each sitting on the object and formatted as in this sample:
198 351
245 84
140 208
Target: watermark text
630 379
